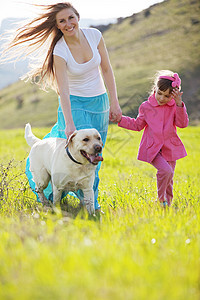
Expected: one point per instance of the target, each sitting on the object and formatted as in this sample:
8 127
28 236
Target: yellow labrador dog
69 166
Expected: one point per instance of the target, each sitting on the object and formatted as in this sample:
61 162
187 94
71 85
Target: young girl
160 144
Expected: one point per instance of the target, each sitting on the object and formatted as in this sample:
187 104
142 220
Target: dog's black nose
97 148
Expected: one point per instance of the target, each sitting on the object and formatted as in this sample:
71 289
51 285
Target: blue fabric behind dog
90 112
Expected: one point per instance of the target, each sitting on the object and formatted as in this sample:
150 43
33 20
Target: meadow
136 250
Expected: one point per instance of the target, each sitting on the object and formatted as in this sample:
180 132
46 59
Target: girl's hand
177 95
70 128
115 114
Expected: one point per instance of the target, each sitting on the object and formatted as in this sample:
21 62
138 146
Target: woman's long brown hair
35 35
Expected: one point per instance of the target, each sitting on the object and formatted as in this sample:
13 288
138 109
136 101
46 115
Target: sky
88 9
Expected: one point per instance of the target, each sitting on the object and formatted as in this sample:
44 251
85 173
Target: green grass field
136 251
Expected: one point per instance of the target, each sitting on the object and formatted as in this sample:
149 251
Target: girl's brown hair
162 83
37 34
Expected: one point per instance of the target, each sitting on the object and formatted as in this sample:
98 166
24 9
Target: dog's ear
70 138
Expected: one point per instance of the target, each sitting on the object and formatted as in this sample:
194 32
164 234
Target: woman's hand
70 128
177 95
115 114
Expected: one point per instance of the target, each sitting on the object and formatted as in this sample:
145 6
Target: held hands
177 95
115 114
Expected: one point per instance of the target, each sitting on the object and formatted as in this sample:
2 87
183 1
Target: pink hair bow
176 81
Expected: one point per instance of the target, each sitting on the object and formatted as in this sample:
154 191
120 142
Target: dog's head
86 145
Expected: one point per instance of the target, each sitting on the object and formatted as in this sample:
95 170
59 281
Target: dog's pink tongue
95 159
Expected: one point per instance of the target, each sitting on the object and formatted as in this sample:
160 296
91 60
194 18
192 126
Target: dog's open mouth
92 158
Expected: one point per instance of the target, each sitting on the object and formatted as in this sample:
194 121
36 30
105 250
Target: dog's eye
86 140
98 138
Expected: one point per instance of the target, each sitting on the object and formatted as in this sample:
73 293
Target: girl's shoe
164 204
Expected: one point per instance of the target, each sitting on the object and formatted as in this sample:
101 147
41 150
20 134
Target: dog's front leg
41 196
56 196
89 201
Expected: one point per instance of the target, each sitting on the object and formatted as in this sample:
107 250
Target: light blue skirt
87 112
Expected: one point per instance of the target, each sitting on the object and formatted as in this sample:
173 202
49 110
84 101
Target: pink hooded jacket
159 123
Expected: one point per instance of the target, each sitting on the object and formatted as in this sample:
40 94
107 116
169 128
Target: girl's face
163 97
67 22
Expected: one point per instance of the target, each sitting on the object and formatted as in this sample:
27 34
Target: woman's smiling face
67 21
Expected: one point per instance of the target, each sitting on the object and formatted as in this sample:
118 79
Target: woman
72 65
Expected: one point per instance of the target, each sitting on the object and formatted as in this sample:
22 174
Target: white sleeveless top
85 79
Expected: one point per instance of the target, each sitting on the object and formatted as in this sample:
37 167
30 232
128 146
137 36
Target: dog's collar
71 157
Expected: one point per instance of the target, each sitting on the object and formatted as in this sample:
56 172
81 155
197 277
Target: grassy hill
164 36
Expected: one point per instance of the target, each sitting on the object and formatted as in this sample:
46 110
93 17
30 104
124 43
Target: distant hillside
10 73
164 36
